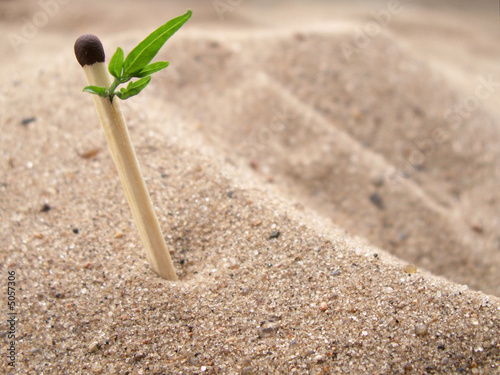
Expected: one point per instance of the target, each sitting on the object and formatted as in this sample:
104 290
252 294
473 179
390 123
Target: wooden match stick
90 54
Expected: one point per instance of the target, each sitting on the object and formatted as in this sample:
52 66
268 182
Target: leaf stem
114 85
111 90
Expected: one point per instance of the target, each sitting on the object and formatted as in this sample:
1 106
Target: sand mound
369 142
293 186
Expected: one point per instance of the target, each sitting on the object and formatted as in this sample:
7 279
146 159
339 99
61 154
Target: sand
325 213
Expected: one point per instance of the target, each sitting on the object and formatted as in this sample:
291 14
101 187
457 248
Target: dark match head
89 50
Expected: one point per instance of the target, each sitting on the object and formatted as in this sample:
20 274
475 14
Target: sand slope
338 134
293 185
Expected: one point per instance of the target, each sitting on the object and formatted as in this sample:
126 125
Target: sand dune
294 185
367 143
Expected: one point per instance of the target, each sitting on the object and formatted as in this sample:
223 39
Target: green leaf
142 55
133 88
152 68
98 90
116 63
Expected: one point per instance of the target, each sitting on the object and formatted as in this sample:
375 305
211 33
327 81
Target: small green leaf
152 68
142 55
133 88
116 63
98 90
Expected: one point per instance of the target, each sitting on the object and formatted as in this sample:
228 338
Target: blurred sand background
300 156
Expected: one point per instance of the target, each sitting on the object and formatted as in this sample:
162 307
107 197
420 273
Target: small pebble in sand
45 208
319 359
89 154
28 120
256 223
254 164
477 227
377 200
96 368
410 268
94 347
421 329
265 332
274 234
139 356
408 367
323 306
337 272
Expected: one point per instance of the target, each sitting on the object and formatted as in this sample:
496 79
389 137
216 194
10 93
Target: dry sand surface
325 173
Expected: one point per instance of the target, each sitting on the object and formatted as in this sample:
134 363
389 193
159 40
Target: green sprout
137 63
90 54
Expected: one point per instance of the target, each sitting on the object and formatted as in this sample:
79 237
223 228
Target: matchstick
90 54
